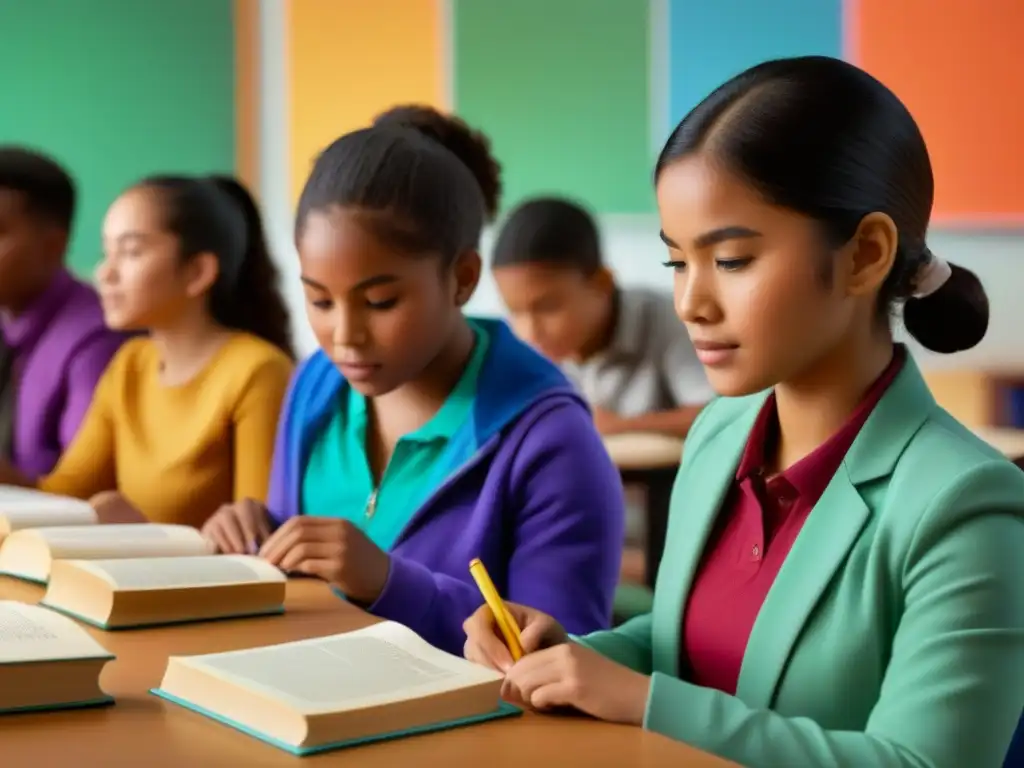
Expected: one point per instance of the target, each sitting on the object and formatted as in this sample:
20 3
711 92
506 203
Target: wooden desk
1007 440
142 730
650 461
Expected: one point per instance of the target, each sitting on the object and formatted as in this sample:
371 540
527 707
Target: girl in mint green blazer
843 578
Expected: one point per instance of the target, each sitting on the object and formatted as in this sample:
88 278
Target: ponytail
253 302
219 216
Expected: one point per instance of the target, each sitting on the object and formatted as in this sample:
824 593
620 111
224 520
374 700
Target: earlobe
467 276
205 269
871 254
604 279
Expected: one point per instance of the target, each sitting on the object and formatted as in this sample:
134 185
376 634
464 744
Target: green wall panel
117 89
561 87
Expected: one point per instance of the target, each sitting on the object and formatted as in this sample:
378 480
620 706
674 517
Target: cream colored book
381 682
28 554
47 661
136 592
21 508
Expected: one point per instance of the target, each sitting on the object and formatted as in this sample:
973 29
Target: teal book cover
503 710
22 577
103 701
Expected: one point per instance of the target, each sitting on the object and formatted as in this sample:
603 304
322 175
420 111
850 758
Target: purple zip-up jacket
530 490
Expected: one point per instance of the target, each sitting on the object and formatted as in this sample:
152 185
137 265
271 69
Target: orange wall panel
959 67
351 59
247 118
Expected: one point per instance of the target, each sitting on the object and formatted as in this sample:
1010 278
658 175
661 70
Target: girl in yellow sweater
183 420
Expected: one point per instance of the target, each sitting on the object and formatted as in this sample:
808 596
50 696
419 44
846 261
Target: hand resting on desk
239 528
334 550
113 507
555 673
327 548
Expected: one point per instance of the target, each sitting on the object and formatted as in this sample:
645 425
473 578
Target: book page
95 542
383 663
31 633
12 494
23 508
181 572
42 516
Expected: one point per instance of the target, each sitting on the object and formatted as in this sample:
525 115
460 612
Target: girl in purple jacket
417 439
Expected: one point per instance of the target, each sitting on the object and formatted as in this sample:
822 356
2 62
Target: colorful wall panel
562 88
117 89
351 59
709 42
958 66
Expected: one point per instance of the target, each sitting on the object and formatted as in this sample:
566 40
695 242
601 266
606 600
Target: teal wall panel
117 89
562 88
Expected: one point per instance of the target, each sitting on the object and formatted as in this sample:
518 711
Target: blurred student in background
417 439
54 345
183 419
623 347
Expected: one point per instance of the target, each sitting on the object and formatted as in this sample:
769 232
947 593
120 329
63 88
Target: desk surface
640 450
1009 441
144 730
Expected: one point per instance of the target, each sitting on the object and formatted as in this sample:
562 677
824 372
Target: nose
348 328
696 297
105 274
529 328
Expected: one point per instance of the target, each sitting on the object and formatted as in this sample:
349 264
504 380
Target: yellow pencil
508 626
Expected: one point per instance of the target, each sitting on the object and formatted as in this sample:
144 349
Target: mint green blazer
894 633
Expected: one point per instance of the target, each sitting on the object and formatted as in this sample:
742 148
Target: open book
47 661
23 508
309 696
134 592
28 554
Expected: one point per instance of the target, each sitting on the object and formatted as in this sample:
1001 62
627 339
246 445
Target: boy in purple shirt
53 344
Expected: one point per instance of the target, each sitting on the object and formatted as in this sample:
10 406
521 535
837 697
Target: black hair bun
471 146
953 318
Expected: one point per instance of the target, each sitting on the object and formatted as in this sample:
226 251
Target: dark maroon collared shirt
757 526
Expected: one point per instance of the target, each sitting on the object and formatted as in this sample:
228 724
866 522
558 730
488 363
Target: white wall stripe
659 79
447 27
275 171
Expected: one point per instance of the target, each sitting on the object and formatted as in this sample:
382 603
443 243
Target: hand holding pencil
499 633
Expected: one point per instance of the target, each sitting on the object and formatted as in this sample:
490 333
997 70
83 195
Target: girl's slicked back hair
823 138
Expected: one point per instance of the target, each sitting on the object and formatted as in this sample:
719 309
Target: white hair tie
931 275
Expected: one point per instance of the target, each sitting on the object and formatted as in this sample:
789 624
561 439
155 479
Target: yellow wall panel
349 60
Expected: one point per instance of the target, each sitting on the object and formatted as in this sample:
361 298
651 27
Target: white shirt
650 364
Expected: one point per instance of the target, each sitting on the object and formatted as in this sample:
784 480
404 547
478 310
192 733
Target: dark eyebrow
369 282
667 240
714 237
722 234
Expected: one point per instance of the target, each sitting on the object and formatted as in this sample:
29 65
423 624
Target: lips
357 371
713 346
714 354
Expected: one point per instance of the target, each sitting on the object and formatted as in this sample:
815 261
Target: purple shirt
61 348
531 492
